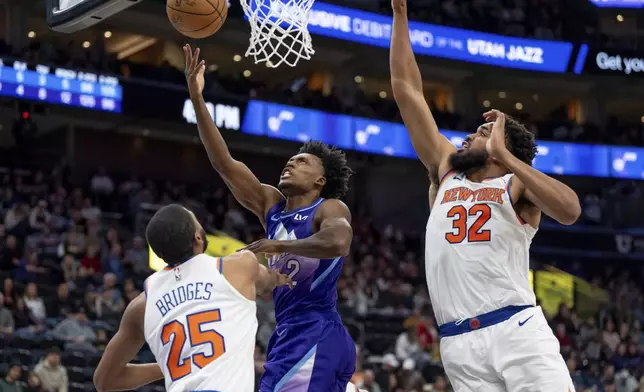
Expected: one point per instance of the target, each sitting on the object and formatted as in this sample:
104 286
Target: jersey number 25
475 232
180 367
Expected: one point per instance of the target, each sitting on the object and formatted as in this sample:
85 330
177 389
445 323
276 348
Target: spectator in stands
51 372
625 382
109 302
73 242
575 374
29 268
587 331
386 378
58 220
407 344
610 337
46 241
633 356
70 269
76 332
91 263
90 212
563 337
33 383
7 324
409 378
10 382
62 304
35 305
130 291
21 318
137 257
113 263
10 254
594 348
8 293
16 221
39 217
101 183
369 382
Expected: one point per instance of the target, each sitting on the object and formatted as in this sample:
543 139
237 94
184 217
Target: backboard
68 16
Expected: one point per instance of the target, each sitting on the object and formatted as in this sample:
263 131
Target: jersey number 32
180 367
475 232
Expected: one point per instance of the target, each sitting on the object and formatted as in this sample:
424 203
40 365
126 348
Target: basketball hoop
278 31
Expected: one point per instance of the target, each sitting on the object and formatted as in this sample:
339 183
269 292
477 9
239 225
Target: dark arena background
97 132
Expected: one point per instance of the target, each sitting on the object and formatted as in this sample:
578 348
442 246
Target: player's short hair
520 140
336 171
170 233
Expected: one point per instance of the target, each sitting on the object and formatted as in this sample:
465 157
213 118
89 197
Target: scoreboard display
60 86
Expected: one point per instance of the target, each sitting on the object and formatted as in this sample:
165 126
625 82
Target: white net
278 31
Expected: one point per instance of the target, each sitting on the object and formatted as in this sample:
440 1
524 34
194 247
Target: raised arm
432 148
544 193
114 372
332 237
246 188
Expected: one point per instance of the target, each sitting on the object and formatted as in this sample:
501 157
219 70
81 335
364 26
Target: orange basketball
197 18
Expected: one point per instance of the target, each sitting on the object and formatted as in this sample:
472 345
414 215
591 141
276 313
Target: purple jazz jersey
310 350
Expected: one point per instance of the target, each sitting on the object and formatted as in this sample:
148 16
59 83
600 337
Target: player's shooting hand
264 246
194 70
398 5
495 145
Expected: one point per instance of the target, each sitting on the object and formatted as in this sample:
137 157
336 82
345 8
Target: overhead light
518 106
535 97
620 18
236 58
247 73
145 132
358 79
502 94
487 103
382 94
107 34
269 64
213 67
31 34
642 119
86 44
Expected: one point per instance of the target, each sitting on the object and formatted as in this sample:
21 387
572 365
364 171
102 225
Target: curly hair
521 142
336 171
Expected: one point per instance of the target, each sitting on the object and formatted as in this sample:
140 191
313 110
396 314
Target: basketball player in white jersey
487 209
198 315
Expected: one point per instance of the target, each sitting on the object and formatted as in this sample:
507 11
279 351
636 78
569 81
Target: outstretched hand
495 145
264 246
398 5
194 70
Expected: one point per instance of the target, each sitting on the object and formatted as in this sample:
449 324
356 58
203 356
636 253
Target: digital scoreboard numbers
60 86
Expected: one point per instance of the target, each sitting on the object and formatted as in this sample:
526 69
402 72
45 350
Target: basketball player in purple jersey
308 234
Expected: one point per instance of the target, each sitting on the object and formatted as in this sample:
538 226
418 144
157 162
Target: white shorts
520 354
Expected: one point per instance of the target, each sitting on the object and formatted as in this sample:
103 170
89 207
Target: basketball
197 18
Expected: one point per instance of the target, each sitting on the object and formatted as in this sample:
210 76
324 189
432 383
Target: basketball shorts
508 350
309 353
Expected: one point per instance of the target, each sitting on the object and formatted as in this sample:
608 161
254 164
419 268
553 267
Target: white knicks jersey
476 249
200 329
